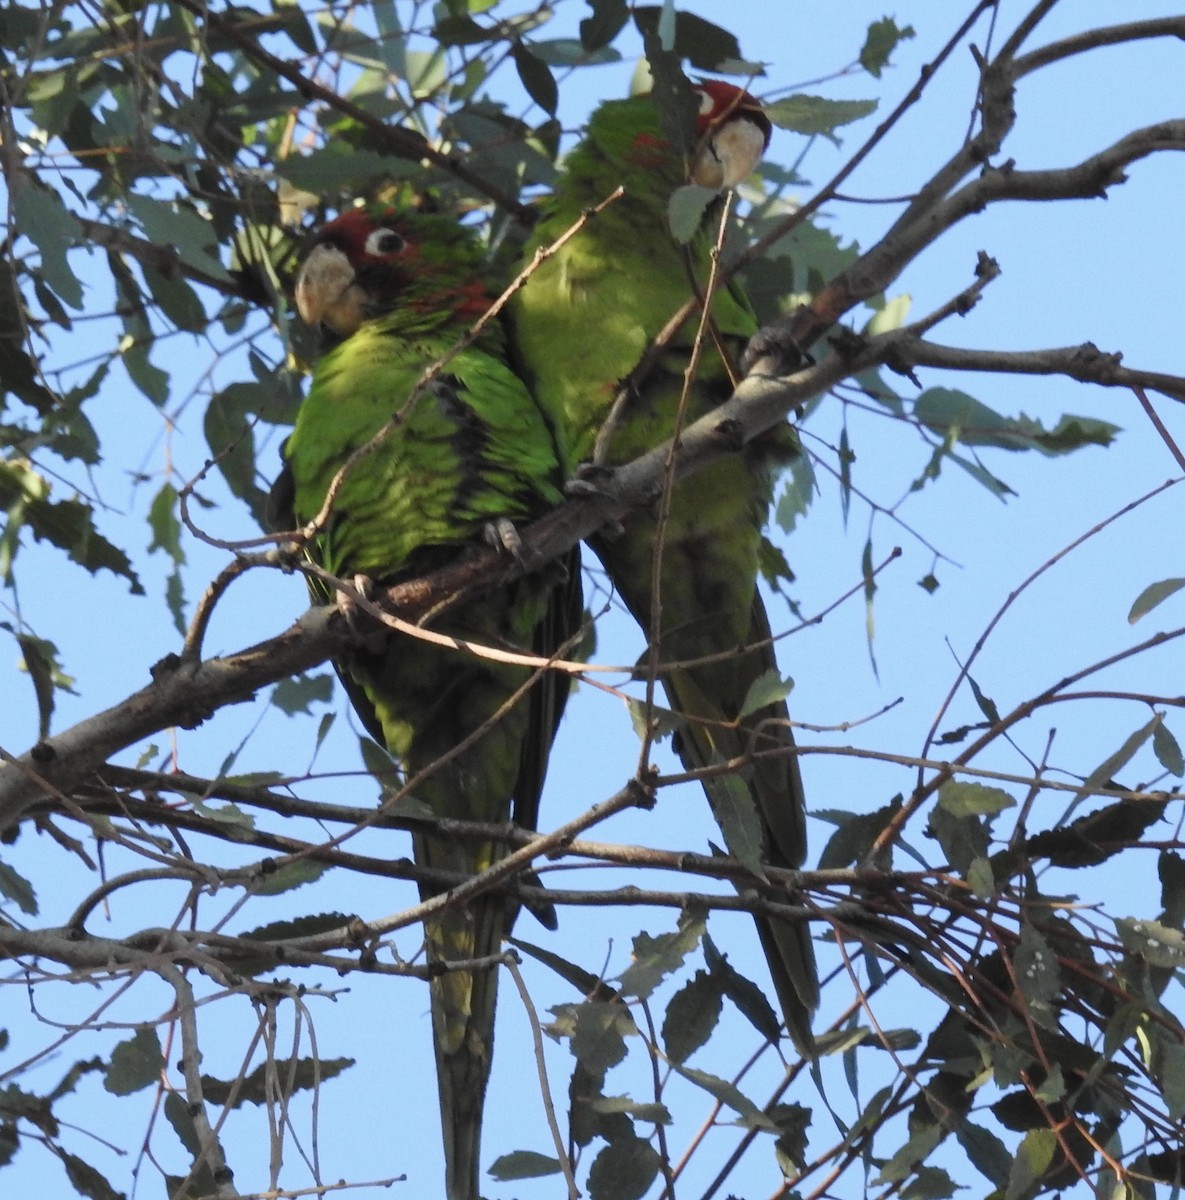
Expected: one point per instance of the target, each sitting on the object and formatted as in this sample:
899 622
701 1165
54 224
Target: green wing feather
581 325
473 449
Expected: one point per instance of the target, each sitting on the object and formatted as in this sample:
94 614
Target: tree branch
1086 363
397 140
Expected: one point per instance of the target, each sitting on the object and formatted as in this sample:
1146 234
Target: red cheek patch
648 151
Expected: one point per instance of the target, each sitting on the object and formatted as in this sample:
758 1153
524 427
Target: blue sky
1108 271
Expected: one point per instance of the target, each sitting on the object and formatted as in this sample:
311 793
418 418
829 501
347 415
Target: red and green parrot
472 457
582 323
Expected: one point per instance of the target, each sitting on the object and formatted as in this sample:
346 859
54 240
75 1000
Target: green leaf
881 40
289 877
298 1075
67 524
623 1170
1113 764
929 1183
86 1180
299 927
987 705
963 839
41 216
986 1153
599 1032
973 799
135 1064
916 1150
1168 751
1033 1156
298 694
607 21
536 77
1097 836
166 536
855 834
951 412
173 224
460 29
767 689
177 1114
229 427
749 999
1171 1072
19 374
889 315
846 458
40 660
177 300
1151 596
793 1122
800 489
728 1094
736 813
1036 967
1158 945
1054 1087
18 889
705 46
816 115
223 814
980 878
149 378
655 958
692 1015
339 168
686 210
165 525
656 1114
523 1164
658 721
568 52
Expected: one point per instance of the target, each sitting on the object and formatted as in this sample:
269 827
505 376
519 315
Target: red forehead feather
350 229
728 99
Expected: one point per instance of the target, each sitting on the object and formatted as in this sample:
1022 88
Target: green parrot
471 457
582 323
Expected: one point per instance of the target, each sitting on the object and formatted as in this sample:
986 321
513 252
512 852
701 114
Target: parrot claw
348 605
502 535
358 621
775 343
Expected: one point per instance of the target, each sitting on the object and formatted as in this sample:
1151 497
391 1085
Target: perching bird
471 455
581 326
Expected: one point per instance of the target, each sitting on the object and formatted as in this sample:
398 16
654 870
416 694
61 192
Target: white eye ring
383 242
706 103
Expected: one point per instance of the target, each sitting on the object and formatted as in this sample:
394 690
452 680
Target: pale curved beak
730 153
325 292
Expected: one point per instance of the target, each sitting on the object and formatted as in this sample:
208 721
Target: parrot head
369 261
733 133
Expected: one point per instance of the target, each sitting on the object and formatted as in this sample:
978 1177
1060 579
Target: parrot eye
706 103
383 242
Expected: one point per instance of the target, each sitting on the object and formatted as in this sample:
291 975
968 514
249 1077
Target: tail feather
712 733
463 1005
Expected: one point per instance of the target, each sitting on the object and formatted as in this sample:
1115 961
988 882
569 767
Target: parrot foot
774 342
359 621
348 605
502 535
732 433
589 480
